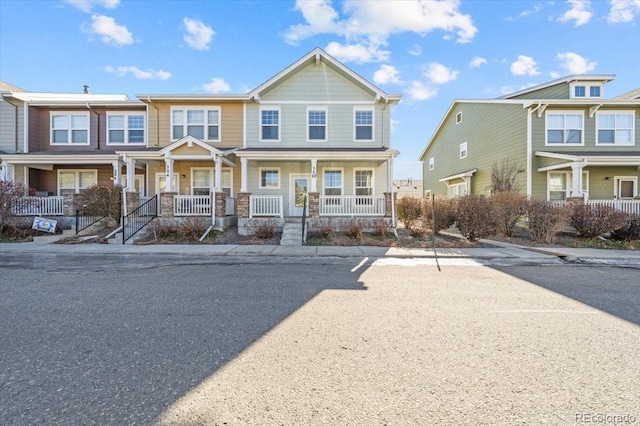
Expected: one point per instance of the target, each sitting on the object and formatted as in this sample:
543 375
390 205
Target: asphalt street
191 340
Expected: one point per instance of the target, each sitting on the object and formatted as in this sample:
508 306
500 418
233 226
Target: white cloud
372 22
440 74
416 50
525 65
419 92
198 34
87 5
138 73
580 12
477 62
358 53
217 85
623 11
573 63
387 74
110 31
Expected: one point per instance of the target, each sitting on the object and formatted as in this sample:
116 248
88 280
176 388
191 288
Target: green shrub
475 217
508 207
409 211
546 220
593 220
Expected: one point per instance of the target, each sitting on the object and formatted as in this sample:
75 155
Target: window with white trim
269 178
270 124
76 181
363 124
564 128
559 185
459 117
432 163
201 123
586 90
69 128
317 124
615 128
457 190
201 180
227 182
363 185
463 150
123 129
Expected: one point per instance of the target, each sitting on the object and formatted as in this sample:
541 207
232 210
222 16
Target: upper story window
317 124
564 128
432 163
69 128
201 123
459 117
125 128
270 124
363 124
463 150
615 128
586 90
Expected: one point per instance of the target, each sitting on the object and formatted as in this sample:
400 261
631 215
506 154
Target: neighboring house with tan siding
568 140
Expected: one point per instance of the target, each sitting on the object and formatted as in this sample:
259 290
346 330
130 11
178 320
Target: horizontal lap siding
493 132
8 128
559 91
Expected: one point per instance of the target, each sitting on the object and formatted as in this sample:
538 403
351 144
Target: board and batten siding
493 133
230 123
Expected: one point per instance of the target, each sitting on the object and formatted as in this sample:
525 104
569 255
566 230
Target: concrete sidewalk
499 251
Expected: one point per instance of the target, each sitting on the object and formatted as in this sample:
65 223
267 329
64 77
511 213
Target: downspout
157 118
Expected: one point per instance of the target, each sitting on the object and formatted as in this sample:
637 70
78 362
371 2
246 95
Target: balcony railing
352 205
265 205
39 206
192 205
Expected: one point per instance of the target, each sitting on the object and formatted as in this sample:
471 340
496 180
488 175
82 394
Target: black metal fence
139 218
83 222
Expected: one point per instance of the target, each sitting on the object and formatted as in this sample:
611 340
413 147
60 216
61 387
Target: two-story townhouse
68 141
317 132
565 137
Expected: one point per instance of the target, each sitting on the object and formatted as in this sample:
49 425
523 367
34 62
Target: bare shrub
593 220
354 230
503 176
264 229
103 201
508 207
409 210
381 228
10 195
629 231
444 211
546 220
475 217
325 230
164 230
418 230
192 228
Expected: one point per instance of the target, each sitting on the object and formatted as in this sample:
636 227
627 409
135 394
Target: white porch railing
265 205
352 205
192 205
230 206
39 206
627 206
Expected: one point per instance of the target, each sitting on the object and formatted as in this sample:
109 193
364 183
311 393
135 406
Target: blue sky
431 52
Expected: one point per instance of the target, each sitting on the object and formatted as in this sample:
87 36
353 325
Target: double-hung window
125 129
432 163
332 184
69 128
463 150
363 186
201 181
201 123
317 124
75 181
615 128
363 124
559 185
564 128
270 124
270 178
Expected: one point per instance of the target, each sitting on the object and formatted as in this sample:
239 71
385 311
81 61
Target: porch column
25 173
117 174
243 175
576 179
131 175
314 175
168 163
218 161
9 173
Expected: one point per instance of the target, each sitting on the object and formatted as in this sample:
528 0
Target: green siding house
565 137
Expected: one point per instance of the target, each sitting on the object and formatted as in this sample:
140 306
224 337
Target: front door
298 194
626 187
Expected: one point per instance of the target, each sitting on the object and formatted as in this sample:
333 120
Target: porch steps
291 234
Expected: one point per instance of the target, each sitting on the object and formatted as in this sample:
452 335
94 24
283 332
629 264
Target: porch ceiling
598 158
